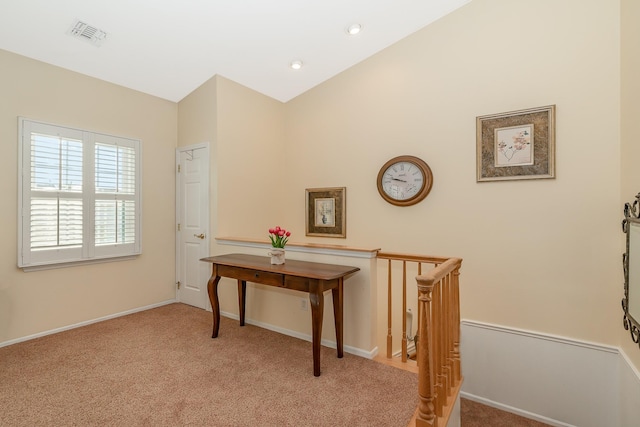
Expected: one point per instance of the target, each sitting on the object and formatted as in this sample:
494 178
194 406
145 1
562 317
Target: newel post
426 414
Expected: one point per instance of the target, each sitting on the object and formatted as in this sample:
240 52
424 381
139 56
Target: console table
310 277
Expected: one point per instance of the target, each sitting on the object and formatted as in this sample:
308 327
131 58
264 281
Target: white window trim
89 253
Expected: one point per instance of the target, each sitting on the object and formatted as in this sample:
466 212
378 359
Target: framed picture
326 212
516 145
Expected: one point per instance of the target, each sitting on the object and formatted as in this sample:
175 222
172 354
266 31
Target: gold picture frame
325 212
516 145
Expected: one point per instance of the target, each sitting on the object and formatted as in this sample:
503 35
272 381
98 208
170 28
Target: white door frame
206 240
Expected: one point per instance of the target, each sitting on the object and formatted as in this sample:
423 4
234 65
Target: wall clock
404 180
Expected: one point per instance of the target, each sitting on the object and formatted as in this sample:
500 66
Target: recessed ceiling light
353 29
296 64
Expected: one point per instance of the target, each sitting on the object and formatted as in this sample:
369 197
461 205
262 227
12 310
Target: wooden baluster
449 337
439 389
452 330
444 354
443 349
389 336
456 327
426 415
404 312
446 327
419 312
436 326
443 327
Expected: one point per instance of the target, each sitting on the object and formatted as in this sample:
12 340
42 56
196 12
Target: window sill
40 267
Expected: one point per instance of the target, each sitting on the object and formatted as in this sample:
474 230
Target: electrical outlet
304 304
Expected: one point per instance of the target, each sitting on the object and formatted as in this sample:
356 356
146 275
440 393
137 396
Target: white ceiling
168 48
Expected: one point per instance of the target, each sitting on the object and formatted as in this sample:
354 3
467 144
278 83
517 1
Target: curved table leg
242 299
212 289
337 315
316 298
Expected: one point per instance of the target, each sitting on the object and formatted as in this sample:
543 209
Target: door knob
199 236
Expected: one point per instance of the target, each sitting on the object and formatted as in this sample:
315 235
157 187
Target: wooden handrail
438 342
437 274
428 259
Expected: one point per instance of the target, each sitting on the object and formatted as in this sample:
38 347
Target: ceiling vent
88 33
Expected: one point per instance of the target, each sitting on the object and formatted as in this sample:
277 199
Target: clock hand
396 179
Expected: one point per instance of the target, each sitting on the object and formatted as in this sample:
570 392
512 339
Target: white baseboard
367 354
513 410
85 323
559 381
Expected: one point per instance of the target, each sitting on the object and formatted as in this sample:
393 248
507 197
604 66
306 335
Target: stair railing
438 337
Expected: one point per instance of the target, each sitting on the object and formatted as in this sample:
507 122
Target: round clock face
404 180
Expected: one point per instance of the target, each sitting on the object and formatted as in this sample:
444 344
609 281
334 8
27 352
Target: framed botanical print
516 145
326 212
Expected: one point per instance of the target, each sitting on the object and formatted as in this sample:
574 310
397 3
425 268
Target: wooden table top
291 267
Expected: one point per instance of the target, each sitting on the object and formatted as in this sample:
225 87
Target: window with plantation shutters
79 196
115 187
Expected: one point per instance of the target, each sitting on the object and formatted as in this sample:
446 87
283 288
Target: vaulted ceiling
167 48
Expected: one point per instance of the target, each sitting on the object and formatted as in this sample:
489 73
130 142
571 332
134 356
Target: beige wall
197 115
246 133
630 141
250 163
539 255
40 301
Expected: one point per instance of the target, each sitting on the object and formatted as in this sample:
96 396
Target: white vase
277 256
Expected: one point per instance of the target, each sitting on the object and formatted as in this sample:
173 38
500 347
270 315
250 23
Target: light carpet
162 368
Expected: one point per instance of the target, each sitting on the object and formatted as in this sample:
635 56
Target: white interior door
192 213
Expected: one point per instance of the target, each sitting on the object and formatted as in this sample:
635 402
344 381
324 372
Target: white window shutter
79 194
